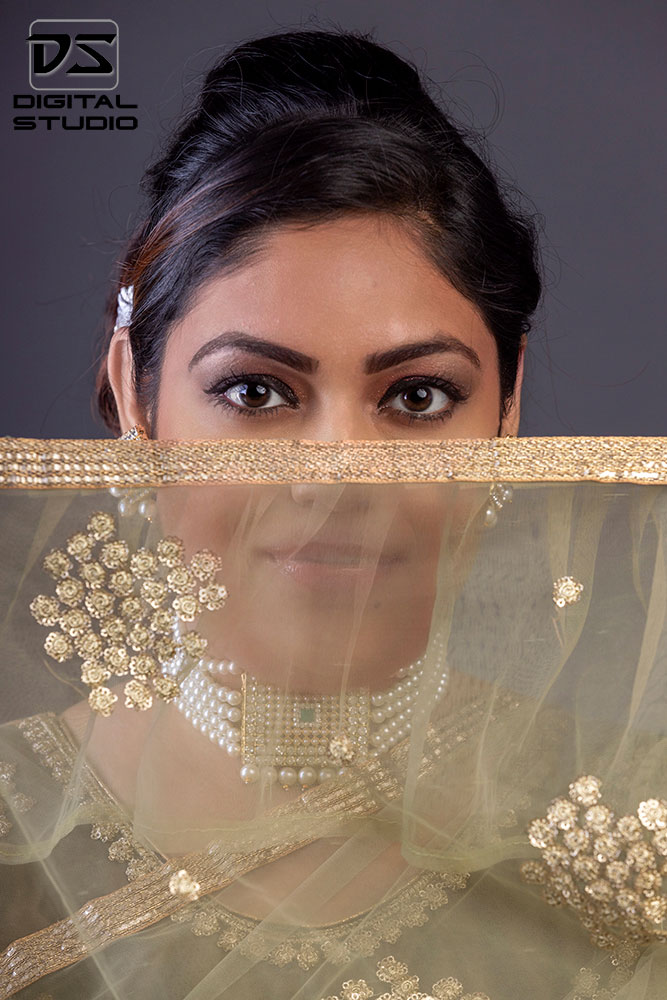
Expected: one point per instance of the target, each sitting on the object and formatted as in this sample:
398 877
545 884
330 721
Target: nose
344 497
341 418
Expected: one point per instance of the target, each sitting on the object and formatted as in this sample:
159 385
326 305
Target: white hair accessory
124 309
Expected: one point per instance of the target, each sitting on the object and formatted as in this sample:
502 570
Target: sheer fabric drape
502 833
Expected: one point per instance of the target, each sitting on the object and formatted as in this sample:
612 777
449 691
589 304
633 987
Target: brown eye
250 395
420 398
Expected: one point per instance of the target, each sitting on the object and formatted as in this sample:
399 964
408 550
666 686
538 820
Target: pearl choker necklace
296 739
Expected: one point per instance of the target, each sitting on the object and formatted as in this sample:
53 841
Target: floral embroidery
122 608
403 986
567 590
49 741
611 870
19 802
339 943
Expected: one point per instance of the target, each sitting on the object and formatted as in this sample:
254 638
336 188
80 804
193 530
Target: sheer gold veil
466 642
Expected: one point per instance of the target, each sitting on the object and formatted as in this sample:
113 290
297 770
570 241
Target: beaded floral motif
182 884
566 591
611 870
339 943
402 986
117 610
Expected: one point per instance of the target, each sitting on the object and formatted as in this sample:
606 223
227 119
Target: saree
373 720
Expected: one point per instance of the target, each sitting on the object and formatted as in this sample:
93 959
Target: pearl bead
287 776
147 509
490 516
213 708
307 776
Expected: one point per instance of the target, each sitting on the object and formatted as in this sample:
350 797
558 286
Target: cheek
207 517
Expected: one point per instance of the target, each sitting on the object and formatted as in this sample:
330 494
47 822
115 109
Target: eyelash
456 395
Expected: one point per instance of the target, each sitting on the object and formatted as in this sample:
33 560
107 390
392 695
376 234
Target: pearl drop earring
132 502
499 495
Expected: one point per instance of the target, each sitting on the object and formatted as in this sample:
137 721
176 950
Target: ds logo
75 54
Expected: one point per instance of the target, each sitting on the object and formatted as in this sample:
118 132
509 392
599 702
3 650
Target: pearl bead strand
214 708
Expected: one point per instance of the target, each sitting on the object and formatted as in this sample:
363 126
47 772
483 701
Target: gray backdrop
570 94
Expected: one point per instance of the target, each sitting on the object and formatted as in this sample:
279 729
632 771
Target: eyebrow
376 362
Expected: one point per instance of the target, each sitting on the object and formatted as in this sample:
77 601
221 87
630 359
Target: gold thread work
94 464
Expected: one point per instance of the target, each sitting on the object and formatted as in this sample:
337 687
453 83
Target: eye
429 398
252 395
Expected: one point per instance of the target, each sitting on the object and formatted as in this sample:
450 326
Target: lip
317 562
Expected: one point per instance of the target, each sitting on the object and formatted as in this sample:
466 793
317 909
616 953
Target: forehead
356 283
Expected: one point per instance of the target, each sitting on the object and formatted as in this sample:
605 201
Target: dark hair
306 126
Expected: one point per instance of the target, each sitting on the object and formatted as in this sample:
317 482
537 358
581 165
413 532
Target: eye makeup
219 390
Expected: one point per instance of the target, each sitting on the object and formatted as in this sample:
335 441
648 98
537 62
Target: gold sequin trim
91 464
403 985
339 943
51 744
610 869
148 898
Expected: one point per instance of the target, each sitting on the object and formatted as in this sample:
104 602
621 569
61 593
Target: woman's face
340 331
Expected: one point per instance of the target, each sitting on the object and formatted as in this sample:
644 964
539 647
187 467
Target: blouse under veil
466 704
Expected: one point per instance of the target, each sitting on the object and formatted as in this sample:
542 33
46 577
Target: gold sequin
121 632
57 564
143 563
58 646
80 546
138 695
102 700
608 869
70 592
567 590
46 610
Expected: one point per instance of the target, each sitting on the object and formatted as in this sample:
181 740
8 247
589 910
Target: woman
344 685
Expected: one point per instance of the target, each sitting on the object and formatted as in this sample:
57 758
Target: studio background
569 95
